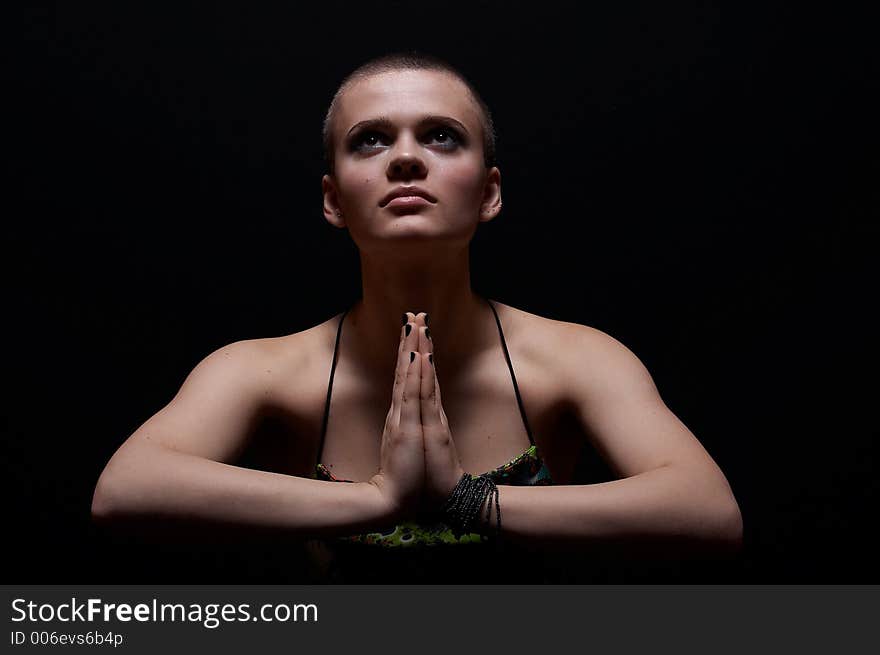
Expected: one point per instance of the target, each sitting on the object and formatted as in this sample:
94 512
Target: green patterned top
425 549
525 470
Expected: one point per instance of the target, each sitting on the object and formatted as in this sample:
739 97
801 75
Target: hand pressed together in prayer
419 464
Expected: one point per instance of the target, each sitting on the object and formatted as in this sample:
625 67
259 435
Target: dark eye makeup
445 137
366 139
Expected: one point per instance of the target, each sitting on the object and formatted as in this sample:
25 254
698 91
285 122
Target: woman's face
415 134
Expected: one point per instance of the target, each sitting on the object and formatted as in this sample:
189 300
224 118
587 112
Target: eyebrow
386 123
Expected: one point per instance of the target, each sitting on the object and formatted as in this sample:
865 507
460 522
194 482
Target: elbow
126 486
717 520
725 527
119 495
106 503
732 532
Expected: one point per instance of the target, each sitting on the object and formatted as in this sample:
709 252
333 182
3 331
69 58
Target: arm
174 468
671 492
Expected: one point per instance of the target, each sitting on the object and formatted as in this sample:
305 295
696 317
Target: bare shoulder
548 338
575 356
278 366
532 336
227 394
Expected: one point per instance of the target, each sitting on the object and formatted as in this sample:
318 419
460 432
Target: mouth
407 202
408 196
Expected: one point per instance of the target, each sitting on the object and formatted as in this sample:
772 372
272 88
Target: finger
388 424
412 340
419 321
408 320
430 408
438 397
438 401
410 408
426 344
400 371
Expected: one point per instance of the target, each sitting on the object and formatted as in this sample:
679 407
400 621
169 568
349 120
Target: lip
408 201
407 196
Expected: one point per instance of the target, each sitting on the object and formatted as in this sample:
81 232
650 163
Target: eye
445 137
367 140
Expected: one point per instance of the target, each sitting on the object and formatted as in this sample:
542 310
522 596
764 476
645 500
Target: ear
491 204
332 211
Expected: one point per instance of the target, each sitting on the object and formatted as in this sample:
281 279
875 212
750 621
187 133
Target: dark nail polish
426 319
431 358
428 332
404 319
412 355
408 329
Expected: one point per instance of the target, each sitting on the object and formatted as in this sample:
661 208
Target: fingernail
412 355
428 332
431 358
426 319
404 319
408 329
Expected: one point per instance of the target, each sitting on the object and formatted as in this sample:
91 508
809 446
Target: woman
410 149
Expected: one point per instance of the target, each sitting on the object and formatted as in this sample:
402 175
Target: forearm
662 505
147 484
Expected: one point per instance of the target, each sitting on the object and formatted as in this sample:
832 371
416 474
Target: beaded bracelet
466 499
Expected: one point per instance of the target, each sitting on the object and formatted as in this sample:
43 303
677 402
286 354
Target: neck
461 323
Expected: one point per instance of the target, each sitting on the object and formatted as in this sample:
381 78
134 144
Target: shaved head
402 62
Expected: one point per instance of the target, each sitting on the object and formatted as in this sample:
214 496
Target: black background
699 182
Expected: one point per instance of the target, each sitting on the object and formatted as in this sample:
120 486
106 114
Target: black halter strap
522 409
330 385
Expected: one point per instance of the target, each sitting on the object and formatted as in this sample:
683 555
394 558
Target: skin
414 260
391 429
431 138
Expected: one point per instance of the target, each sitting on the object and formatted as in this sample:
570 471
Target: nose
406 164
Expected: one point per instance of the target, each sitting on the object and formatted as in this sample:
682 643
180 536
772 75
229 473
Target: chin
413 239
